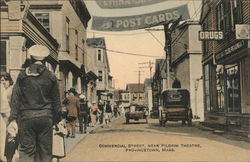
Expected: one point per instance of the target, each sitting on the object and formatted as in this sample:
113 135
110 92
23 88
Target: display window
233 88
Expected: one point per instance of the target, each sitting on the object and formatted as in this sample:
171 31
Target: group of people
77 107
31 109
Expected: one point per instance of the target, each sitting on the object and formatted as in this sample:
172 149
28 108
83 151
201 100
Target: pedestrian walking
73 109
83 113
101 111
36 101
108 113
11 143
93 113
115 110
4 114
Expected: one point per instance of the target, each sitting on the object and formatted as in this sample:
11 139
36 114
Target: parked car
136 112
175 106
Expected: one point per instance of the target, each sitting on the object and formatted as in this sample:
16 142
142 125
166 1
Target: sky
123 67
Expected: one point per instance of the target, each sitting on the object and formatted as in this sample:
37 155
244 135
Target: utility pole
167 51
150 66
168 29
139 76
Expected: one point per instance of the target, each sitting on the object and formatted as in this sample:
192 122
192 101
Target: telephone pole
150 66
139 76
168 29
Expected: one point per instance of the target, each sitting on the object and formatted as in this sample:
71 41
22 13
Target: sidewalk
70 143
223 132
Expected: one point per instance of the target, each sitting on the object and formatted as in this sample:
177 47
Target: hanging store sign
232 50
242 31
210 35
114 4
139 21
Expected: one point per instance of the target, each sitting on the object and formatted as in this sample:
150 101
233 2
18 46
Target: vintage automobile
175 106
136 112
154 113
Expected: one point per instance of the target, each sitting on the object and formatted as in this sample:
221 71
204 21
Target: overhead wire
133 54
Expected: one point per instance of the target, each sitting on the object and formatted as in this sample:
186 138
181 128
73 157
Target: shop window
3 56
233 88
43 18
220 89
207 88
100 76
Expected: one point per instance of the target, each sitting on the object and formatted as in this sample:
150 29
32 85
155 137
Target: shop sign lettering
211 35
230 50
113 4
139 21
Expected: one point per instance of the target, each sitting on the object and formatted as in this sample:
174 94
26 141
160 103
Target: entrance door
233 88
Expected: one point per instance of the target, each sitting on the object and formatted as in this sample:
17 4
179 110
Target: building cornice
30 17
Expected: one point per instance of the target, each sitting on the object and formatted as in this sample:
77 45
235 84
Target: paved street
138 141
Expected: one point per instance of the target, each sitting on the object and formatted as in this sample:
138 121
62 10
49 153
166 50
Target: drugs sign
210 35
139 21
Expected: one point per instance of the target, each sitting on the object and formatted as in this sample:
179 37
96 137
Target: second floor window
3 56
229 13
67 34
43 18
236 12
100 76
76 52
99 55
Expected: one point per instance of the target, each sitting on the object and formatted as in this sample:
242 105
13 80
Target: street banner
136 22
114 4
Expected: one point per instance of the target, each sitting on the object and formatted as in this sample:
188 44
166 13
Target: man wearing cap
83 113
73 109
36 101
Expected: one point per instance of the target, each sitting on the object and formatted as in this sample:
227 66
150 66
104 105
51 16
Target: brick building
226 65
